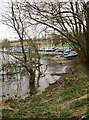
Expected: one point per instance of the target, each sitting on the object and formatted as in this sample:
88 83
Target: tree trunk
32 79
87 10
32 83
87 43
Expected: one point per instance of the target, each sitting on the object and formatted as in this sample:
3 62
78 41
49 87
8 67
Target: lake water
18 84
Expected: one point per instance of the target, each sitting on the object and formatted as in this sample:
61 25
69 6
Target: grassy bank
67 98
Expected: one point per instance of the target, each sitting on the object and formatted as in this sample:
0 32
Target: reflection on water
48 79
18 84
15 85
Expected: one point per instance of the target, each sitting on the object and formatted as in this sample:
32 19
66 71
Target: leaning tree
69 19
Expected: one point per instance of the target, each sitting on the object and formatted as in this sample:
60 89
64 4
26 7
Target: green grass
75 90
57 107
80 103
65 114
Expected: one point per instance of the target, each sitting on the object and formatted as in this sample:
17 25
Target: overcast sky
5 31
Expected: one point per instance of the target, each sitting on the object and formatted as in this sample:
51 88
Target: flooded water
17 85
48 79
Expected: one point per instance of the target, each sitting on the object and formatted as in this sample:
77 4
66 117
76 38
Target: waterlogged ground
18 84
65 99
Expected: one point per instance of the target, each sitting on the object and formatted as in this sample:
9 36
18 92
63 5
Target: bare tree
17 19
69 19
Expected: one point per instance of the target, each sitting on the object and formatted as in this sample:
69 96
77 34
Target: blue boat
12 49
19 50
27 50
63 54
48 51
67 50
67 53
70 55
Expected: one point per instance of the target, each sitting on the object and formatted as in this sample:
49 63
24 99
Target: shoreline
66 98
